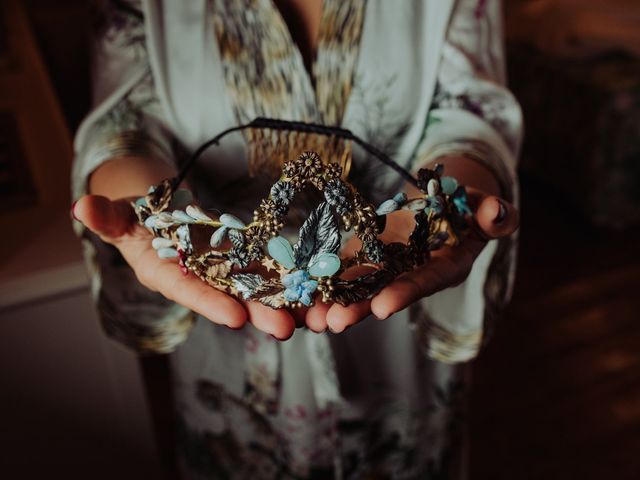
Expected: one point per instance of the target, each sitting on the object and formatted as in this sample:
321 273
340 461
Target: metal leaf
253 286
219 270
274 301
320 233
236 237
348 292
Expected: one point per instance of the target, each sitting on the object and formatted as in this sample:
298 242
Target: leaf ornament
298 272
320 233
280 250
252 286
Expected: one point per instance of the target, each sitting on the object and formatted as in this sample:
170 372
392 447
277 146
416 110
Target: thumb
497 218
109 219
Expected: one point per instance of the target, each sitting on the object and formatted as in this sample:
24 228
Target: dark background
556 393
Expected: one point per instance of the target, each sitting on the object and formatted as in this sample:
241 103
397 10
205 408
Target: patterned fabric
417 79
265 73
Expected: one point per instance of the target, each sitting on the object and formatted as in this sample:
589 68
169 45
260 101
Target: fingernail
502 213
282 339
73 208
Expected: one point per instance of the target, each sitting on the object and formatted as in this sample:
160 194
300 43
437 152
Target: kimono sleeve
126 120
473 114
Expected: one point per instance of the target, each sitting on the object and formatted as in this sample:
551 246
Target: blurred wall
62 29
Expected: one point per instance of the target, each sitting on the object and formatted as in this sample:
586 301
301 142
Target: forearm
128 177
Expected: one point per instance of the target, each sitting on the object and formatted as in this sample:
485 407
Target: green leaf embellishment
324 265
280 250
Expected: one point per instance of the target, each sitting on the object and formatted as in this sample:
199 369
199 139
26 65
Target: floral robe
418 79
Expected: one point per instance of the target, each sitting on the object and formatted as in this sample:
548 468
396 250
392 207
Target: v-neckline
315 42
264 67
310 75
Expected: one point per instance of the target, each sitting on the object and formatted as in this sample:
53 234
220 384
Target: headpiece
295 275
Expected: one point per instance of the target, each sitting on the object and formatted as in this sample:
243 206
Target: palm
116 224
446 268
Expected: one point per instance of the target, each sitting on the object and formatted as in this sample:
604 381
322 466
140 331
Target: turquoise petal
230 221
280 250
310 285
159 242
182 217
306 298
288 281
150 222
400 197
141 202
218 237
387 207
196 212
449 185
432 187
324 265
167 253
291 295
416 204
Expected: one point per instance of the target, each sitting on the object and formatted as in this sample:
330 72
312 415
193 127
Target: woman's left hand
447 267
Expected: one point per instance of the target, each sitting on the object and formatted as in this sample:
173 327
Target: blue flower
461 202
299 287
435 204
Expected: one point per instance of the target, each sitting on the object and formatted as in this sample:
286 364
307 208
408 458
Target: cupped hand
115 222
447 267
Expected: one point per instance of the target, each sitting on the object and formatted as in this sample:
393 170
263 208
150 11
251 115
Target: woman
422 80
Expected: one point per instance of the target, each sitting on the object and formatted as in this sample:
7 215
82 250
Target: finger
187 290
339 318
439 273
278 323
316 318
496 218
109 219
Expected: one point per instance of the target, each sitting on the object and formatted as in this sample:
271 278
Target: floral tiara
295 275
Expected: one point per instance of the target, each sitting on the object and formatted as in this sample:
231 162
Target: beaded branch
295 275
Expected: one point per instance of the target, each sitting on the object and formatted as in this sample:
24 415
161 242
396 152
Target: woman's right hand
115 222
